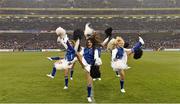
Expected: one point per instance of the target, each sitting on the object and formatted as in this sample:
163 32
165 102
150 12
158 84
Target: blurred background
30 24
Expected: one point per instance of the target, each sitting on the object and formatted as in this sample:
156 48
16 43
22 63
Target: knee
89 85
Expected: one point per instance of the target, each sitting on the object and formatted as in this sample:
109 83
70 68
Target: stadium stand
48 41
90 3
154 18
28 41
154 24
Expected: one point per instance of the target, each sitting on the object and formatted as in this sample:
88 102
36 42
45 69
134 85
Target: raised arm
105 41
77 45
108 33
69 46
62 42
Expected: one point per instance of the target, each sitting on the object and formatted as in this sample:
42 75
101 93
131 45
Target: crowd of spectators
124 20
48 41
48 24
28 41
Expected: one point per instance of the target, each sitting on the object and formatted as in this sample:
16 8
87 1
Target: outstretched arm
76 45
105 41
69 46
62 41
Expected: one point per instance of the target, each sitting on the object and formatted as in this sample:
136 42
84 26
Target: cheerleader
110 47
119 57
126 45
87 59
89 32
70 57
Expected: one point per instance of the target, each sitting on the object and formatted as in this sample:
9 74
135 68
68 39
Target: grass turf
153 79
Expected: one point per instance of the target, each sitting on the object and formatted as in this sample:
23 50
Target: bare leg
122 73
89 86
66 78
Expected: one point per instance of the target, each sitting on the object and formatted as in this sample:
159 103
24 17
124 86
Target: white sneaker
71 78
128 67
65 87
89 99
50 76
49 58
99 79
94 79
123 90
118 76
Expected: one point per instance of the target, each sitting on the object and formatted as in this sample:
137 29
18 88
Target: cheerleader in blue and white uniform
87 59
89 32
119 57
70 56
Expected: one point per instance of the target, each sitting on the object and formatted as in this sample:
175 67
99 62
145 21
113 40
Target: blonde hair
114 42
119 41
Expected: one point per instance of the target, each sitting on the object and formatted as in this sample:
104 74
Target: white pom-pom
61 32
88 31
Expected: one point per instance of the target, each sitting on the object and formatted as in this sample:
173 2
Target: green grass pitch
153 79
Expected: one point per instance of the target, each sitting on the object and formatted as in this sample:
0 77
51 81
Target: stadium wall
6 50
31 50
171 49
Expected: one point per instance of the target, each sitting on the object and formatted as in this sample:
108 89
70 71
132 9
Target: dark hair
89 39
95 39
